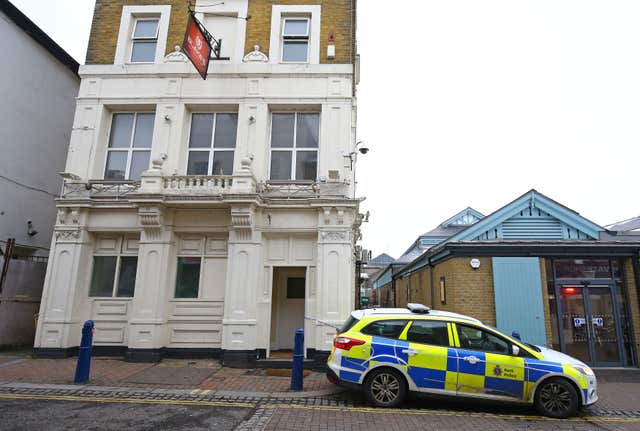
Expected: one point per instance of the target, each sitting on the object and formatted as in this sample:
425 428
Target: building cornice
217 70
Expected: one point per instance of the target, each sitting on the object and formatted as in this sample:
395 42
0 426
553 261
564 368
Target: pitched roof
36 33
566 217
381 260
410 255
532 216
632 224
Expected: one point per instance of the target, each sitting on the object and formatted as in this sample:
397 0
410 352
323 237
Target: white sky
472 103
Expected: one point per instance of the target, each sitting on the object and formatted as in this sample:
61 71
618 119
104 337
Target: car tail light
346 343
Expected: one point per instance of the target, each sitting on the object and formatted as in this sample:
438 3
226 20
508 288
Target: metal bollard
84 355
298 360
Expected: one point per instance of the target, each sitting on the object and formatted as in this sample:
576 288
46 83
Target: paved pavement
202 395
170 373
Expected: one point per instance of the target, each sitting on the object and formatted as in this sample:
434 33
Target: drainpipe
433 304
393 290
635 264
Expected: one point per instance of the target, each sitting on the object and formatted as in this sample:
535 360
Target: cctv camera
363 150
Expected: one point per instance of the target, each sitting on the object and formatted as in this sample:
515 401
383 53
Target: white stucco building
208 217
37 90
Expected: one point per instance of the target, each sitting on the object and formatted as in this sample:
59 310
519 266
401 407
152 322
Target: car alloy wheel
556 398
385 388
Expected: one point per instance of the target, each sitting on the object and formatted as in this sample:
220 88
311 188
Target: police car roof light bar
418 308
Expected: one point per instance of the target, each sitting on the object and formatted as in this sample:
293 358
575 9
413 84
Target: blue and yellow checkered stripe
444 368
433 368
492 374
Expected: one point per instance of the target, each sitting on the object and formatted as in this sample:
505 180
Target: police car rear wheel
385 388
556 398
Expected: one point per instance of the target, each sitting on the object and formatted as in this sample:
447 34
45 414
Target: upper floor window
129 145
212 143
144 40
295 40
294 146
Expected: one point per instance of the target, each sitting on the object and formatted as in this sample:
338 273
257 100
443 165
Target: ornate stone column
148 318
244 266
66 287
335 273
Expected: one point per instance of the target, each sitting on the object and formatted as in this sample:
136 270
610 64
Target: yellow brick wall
106 25
468 291
337 18
545 301
471 292
632 295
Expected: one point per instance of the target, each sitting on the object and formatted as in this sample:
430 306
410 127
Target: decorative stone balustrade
198 184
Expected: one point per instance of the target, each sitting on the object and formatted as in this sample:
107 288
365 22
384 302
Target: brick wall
337 18
468 291
106 25
545 302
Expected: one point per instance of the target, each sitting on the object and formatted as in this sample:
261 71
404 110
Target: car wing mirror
515 350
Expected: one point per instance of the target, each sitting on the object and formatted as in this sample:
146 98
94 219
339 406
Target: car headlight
584 370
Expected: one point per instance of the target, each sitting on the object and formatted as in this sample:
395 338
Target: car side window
428 332
385 328
478 339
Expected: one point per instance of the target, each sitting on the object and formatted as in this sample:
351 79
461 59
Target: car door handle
410 352
471 359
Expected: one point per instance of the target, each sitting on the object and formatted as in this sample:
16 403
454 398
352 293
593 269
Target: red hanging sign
196 46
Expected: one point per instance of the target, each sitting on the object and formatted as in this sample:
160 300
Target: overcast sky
472 103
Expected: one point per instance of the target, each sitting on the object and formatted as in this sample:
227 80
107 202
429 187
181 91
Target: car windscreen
351 321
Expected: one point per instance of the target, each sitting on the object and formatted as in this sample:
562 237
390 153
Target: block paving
117 372
321 406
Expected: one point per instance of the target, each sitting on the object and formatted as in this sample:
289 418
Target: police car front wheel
556 398
385 387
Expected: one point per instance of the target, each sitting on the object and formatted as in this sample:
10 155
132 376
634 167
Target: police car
388 352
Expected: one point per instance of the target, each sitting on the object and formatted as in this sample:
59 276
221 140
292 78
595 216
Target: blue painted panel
465 367
388 350
354 363
518 297
427 377
537 206
537 369
512 388
385 278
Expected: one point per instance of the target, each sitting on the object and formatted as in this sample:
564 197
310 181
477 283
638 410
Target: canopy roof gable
531 216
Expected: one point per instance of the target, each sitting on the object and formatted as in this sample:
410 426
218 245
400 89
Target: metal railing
301 189
73 189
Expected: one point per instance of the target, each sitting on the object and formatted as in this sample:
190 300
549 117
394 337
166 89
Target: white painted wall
233 311
252 90
36 114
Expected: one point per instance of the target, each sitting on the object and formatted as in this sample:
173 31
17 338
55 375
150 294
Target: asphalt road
17 415
28 412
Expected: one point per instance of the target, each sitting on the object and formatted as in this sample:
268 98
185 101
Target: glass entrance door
588 323
603 325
